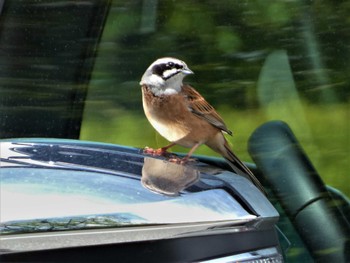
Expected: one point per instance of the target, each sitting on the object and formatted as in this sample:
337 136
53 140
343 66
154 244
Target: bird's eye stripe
159 69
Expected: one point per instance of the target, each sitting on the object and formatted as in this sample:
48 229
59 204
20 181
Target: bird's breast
167 114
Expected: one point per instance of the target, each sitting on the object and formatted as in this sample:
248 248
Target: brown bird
182 116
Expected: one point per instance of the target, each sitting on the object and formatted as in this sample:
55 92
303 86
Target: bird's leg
158 152
187 157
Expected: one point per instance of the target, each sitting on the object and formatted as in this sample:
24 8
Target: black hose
301 191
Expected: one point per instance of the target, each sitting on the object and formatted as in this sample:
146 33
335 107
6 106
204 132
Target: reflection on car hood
63 184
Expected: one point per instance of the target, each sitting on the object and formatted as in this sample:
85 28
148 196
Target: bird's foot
173 158
155 152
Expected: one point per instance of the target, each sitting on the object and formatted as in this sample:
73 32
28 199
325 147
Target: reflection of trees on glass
226 42
74 223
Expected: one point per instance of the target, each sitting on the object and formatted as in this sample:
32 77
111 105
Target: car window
254 61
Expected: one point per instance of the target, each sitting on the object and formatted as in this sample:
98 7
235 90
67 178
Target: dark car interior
60 86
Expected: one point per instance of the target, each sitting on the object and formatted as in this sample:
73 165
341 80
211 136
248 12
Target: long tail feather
240 168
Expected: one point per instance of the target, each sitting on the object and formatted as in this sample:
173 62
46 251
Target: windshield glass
254 61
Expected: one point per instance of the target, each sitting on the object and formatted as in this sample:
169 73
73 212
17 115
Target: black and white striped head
164 76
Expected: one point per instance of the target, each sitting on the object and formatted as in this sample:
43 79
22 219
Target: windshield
254 61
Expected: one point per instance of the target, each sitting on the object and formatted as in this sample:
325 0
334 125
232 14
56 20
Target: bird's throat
165 91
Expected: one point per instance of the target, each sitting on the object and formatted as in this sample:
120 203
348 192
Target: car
76 184
63 197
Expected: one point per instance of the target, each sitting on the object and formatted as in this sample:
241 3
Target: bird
181 115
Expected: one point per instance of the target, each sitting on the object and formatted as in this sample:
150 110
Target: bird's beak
187 71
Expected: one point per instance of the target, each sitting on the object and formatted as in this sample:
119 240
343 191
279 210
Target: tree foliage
226 43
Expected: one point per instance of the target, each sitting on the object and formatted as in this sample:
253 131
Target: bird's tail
219 144
240 168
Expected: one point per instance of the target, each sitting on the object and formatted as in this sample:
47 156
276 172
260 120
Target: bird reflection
167 178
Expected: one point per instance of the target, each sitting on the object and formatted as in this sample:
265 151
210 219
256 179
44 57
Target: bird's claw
171 157
155 152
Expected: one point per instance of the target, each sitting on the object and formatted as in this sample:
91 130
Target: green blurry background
254 61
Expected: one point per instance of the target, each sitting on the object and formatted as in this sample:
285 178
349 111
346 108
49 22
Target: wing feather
200 107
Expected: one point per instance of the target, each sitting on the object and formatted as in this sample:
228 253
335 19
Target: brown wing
200 107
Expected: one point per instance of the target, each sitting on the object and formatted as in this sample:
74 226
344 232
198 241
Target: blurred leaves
261 13
224 42
189 18
228 42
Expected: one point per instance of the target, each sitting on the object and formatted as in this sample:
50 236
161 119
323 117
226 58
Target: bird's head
164 76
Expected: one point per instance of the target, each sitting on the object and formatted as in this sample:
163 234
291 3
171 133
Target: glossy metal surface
55 185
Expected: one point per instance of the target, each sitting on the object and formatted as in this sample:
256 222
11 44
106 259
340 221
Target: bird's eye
170 64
